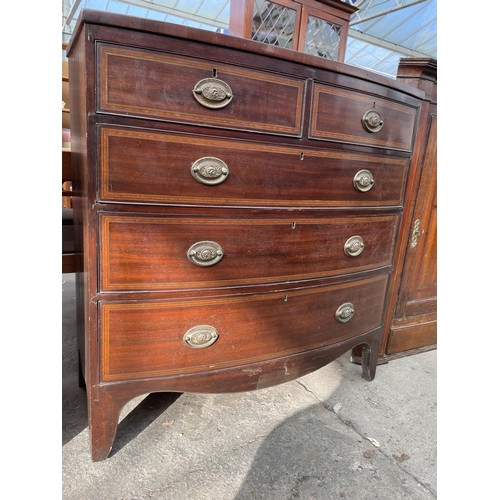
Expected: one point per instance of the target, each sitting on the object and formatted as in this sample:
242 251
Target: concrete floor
325 436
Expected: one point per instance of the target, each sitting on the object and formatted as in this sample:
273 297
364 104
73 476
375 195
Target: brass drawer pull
200 336
213 93
363 181
354 246
205 253
372 120
344 313
209 170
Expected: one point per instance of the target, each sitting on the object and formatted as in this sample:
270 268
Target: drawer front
259 101
151 339
165 253
337 115
160 168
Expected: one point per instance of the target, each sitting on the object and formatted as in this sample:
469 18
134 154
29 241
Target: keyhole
302 155
293 225
214 72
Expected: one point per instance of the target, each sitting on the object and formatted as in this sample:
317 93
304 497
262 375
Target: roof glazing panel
381 31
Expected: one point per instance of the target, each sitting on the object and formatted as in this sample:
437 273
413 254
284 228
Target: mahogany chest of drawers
238 208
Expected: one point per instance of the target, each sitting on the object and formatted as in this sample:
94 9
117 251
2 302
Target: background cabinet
317 27
410 325
69 260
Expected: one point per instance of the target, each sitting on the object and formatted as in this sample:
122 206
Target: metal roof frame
380 32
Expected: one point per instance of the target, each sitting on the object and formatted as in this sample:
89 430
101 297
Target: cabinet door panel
419 282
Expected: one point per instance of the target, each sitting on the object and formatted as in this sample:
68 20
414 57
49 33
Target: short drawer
142 340
168 253
168 168
351 117
164 86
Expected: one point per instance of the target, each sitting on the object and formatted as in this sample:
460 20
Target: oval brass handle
213 93
354 246
209 170
363 181
205 253
372 120
200 336
344 313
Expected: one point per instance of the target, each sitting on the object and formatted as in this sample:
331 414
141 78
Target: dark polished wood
410 326
263 102
336 114
414 323
187 285
70 263
66 164
150 253
309 177
145 339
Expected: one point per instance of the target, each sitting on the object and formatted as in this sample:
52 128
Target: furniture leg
370 356
104 412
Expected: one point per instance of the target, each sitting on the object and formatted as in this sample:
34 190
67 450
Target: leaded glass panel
273 24
322 38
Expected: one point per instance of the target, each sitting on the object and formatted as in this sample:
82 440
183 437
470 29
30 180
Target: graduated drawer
158 168
164 253
146 339
164 86
337 115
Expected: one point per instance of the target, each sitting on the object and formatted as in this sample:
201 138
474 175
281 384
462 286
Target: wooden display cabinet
316 27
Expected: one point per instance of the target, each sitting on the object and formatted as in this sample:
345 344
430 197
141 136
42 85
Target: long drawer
168 168
154 339
164 253
191 90
352 117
